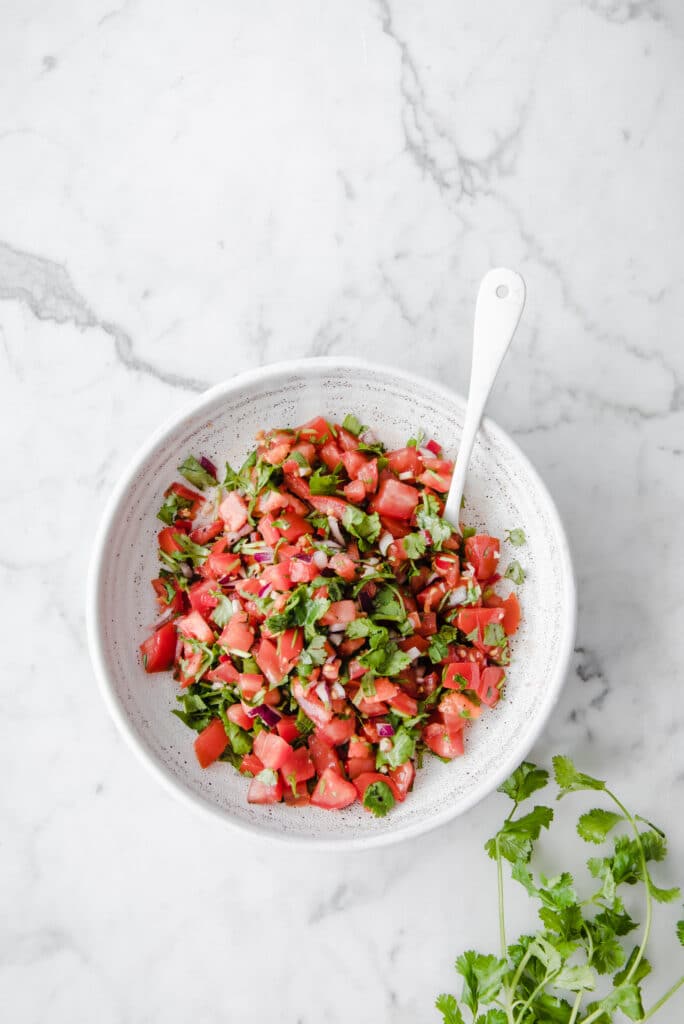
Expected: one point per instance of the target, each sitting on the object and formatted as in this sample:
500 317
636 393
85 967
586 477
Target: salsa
326 625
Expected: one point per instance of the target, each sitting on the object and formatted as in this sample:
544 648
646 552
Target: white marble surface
190 190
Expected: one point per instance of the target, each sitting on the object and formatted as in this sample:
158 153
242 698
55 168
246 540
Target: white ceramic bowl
503 491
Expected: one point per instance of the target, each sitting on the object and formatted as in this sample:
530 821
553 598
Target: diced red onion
207 464
368 437
337 627
431 579
406 475
304 470
335 638
338 691
385 745
226 581
264 590
456 596
328 573
320 559
334 545
329 660
385 729
413 653
426 453
166 617
335 530
251 712
264 556
237 534
366 601
385 541
268 715
304 558
186 570
322 693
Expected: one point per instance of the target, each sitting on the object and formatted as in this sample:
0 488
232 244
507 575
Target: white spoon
499 306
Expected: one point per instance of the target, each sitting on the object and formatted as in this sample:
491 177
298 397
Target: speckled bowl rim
96 645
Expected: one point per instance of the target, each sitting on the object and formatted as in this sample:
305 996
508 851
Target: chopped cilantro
494 635
366 528
440 641
378 798
468 531
415 442
429 519
516 537
414 545
352 424
196 474
515 572
323 482
403 747
223 611
173 504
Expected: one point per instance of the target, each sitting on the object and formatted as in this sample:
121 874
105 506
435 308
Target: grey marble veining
186 193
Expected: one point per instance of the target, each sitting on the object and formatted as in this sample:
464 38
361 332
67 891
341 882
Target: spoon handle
500 302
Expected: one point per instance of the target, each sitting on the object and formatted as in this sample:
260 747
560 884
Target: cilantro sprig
548 975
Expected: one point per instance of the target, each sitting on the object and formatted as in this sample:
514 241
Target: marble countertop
191 190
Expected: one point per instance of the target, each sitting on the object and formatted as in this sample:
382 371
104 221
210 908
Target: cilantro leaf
429 519
385 661
524 781
448 1007
663 895
197 475
482 978
389 605
515 572
439 643
494 635
516 537
322 482
173 504
569 780
680 931
403 749
189 551
595 825
352 424
223 611
267 776
626 998
378 799
240 740
575 978
414 545
314 654
365 528
303 723
514 839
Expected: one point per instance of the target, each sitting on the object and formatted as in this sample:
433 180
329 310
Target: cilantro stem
533 995
576 1006
647 883
661 1002
502 918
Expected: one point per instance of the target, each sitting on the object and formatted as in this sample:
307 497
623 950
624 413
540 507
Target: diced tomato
337 730
384 690
402 779
323 754
298 766
482 552
331 455
431 597
236 713
511 619
396 499
457 709
287 728
353 462
251 765
355 492
306 449
356 670
467 670
443 740
414 642
175 604
362 782
233 511
159 650
373 709
277 453
167 538
268 661
203 597
301 571
267 529
250 683
368 475
347 441
272 749
223 673
359 766
434 447
405 460
339 612
237 635
260 793
359 747
204 534
332 792
437 481
344 566
478 618
193 625
278 576
291 526
328 505
490 687
404 704
211 743
297 798
311 704
428 624
289 646
223 565
316 430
